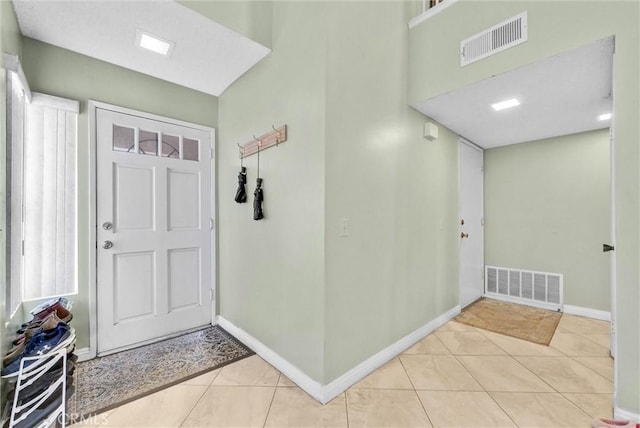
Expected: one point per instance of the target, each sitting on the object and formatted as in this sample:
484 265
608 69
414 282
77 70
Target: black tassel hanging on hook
241 193
258 196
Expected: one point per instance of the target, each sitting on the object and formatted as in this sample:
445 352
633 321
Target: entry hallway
459 376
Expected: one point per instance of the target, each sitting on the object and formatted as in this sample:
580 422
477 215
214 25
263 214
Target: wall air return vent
542 289
502 36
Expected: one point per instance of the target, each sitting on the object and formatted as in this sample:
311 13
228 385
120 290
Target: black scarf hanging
241 193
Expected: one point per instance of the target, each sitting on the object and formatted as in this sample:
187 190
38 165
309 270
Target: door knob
107 244
107 225
464 235
606 247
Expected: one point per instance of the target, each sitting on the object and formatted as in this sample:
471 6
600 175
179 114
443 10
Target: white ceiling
560 95
207 56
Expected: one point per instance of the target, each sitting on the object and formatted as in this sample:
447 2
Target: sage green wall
547 207
60 72
10 32
252 19
398 268
337 77
272 271
555 27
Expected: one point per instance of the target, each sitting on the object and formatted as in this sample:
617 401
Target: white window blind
15 125
49 197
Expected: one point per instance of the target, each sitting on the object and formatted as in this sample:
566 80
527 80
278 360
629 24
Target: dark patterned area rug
107 382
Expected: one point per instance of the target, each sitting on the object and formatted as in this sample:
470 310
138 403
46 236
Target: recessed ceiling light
153 43
605 116
505 104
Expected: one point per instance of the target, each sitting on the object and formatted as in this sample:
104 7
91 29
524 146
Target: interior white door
154 236
471 184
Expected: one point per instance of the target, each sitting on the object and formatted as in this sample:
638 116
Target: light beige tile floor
460 376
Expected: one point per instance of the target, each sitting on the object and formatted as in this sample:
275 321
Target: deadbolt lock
107 225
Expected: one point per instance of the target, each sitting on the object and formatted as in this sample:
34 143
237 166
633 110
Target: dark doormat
113 380
524 322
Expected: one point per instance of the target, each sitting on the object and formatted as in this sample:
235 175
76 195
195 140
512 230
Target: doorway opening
565 118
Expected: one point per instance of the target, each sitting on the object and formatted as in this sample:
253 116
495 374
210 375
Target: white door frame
613 347
480 149
93 106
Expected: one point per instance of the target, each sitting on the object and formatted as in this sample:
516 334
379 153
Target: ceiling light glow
605 116
505 104
153 43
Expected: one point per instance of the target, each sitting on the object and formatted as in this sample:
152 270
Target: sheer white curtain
49 197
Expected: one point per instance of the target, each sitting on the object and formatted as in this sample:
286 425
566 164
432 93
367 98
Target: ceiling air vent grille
502 36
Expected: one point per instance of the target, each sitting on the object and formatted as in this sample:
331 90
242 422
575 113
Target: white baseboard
341 384
310 386
626 415
325 393
83 354
526 302
586 312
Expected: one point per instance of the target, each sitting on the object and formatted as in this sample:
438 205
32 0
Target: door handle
464 235
606 247
107 244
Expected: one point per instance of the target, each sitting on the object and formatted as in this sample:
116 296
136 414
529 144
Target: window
41 209
49 197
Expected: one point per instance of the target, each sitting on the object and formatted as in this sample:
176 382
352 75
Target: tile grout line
589 368
580 336
489 392
591 340
195 404
442 342
503 409
469 373
479 331
518 362
199 399
564 356
533 373
478 382
544 381
517 338
435 336
415 391
275 389
346 406
576 404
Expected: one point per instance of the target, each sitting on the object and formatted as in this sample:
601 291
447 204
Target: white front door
470 164
154 236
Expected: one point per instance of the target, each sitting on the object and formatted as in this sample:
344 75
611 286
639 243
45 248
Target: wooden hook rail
272 138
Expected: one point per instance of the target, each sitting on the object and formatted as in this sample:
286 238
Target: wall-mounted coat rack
272 138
